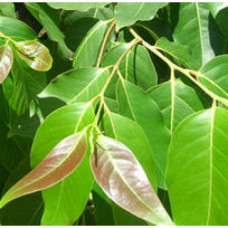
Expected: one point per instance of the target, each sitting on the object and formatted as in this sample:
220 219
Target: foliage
120 110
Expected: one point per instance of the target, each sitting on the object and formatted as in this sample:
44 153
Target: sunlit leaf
18 30
127 13
122 178
87 52
150 118
60 162
80 6
176 101
75 188
197 169
35 54
180 52
87 83
195 17
6 61
215 75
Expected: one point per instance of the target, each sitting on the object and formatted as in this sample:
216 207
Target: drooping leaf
87 52
194 17
59 163
176 101
64 202
132 135
7 9
35 54
6 61
16 29
86 84
138 68
149 117
127 13
180 52
122 178
215 75
48 17
197 177
80 6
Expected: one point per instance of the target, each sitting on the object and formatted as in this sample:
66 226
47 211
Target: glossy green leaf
134 138
122 178
179 52
6 61
80 6
86 84
216 72
87 53
127 13
150 118
16 29
197 177
65 201
48 17
194 17
35 54
137 67
7 9
215 7
176 101
62 160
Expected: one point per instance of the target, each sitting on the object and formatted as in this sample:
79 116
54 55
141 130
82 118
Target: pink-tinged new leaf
124 181
35 54
59 163
6 61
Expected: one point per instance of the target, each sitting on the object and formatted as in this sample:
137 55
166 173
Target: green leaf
80 6
62 160
87 52
176 101
215 7
86 84
16 29
215 75
179 52
23 86
65 201
6 61
127 13
35 54
194 17
138 68
48 18
197 169
150 118
7 9
122 178
134 138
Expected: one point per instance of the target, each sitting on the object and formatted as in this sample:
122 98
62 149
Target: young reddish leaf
59 163
35 54
124 181
6 60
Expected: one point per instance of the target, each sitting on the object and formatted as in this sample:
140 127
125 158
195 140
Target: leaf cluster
113 113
